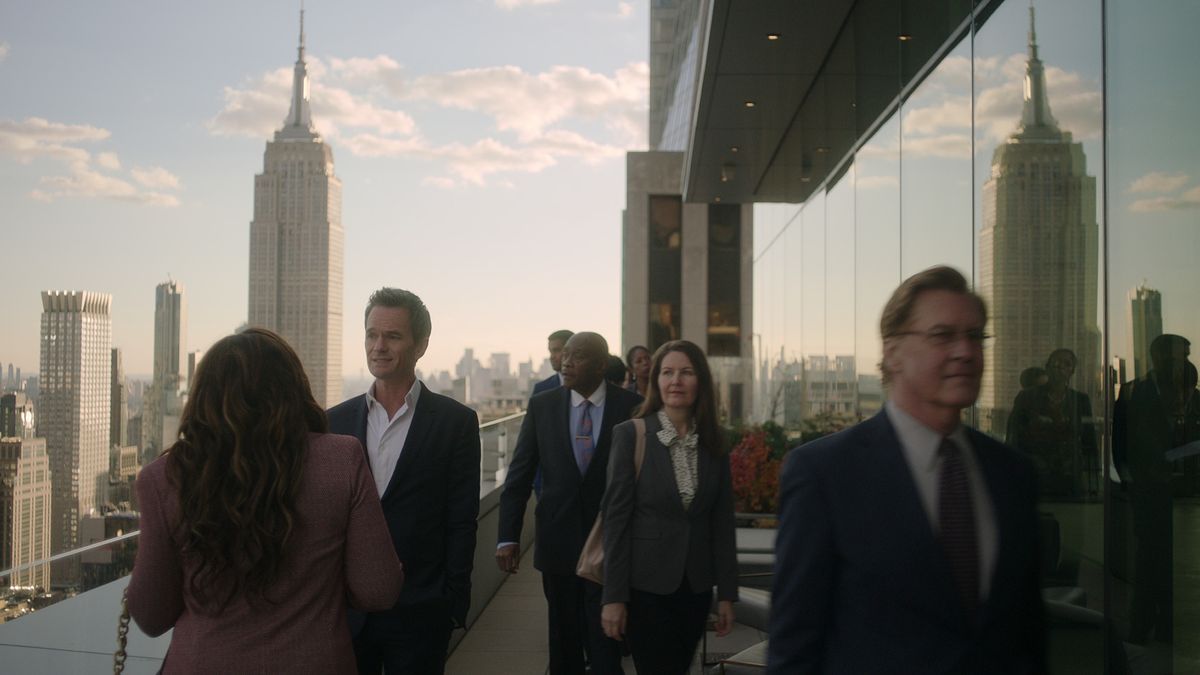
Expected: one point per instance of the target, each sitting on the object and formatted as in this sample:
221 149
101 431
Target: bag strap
639 448
122 634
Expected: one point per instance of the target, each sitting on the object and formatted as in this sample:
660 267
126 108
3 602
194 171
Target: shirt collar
667 434
920 443
597 397
410 399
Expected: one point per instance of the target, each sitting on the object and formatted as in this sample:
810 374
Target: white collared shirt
385 437
597 412
920 445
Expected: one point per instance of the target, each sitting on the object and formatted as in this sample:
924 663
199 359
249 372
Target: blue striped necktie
583 438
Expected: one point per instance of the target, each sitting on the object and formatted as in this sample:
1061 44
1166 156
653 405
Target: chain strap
122 635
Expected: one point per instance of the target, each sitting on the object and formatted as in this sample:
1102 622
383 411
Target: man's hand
508 558
612 618
724 617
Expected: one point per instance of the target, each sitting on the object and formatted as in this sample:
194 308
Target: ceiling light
822 148
728 172
905 37
717 200
749 104
772 36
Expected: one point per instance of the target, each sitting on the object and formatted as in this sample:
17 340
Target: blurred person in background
638 360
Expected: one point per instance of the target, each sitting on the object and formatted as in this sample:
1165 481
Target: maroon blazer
340 553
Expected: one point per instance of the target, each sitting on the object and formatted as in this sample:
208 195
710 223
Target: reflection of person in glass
1053 424
662 328
1153 416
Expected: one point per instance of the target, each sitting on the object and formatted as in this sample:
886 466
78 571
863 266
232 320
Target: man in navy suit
554 343
566 434
423 449
908 543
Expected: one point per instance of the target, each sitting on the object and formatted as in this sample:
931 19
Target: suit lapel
563 430
414 443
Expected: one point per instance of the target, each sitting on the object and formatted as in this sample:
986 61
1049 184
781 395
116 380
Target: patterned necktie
583 438
956 519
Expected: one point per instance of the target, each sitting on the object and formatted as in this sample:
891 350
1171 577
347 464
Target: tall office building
160 422
119 402
1038 252
686 265
1145 324
73 408
25 506
296 244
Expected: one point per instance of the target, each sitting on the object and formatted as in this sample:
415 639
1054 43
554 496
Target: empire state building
296 244
1038 252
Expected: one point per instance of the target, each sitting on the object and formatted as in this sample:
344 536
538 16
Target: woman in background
669 531
638 360
257 527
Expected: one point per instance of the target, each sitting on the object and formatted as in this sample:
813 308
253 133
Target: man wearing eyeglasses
908 543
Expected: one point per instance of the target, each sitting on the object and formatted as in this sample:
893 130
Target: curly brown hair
237 464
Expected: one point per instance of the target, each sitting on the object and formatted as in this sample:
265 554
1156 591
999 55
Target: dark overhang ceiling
836 68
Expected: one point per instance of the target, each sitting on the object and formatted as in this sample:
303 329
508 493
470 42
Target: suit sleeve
724 535
617 509
462 517
519 481
802 596
1034 624
373 573
156 585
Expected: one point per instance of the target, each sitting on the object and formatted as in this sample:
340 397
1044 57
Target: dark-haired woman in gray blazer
669 532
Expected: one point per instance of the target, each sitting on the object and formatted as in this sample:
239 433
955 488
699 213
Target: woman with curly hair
257 526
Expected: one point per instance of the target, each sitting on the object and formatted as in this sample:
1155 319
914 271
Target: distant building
14 407
25 510
686 267
296 244
1145 324
162 406
74 409
118 406
1039 253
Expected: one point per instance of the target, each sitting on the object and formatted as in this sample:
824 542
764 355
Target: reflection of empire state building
1038 252
296 244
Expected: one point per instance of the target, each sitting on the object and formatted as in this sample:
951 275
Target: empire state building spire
1035 115
299 119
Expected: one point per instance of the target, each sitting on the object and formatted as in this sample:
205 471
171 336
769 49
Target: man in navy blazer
423 449
908 543
554 344
570 499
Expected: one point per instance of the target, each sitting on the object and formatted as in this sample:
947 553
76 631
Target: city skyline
468 157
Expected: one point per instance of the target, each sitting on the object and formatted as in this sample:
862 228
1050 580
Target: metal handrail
130 535
67 554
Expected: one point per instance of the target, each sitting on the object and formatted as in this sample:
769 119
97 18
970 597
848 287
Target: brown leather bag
591 559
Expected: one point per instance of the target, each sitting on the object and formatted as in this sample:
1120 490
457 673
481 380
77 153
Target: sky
480 144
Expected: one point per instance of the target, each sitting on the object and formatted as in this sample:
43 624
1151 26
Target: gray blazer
650 541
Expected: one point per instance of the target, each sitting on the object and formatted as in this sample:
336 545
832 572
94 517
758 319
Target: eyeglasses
944 337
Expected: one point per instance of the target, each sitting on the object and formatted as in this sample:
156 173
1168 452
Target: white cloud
876 182
1159 181
439 182
360 104
4 49
515 4
624 9
1188 200
35 138
156 178
941 109
108 160
82 181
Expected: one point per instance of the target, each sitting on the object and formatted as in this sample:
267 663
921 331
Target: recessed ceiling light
822 148
905 37
734 148
749 104
772 36
717 200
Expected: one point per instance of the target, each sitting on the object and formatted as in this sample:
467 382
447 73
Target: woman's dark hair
238 463
704 410
615 370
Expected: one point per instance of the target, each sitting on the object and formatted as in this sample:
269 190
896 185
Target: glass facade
666 267
1050 157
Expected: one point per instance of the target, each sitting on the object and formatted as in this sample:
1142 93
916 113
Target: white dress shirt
386 436
920 445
